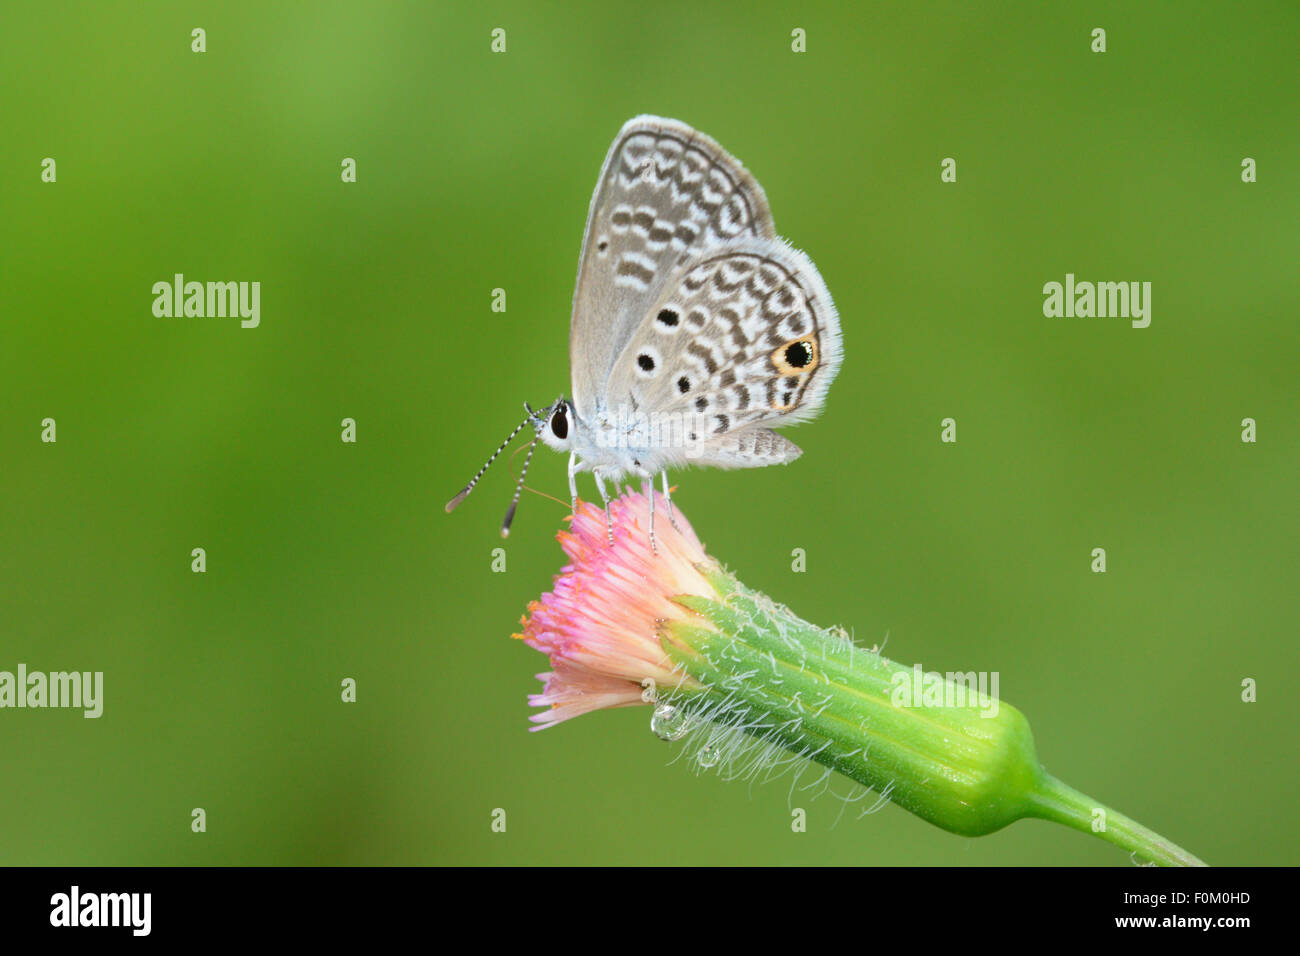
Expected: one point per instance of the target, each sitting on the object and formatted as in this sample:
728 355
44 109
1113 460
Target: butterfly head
555 424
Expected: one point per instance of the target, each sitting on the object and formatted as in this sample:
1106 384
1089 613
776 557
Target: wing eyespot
796 357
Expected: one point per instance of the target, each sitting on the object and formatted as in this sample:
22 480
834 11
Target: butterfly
695 329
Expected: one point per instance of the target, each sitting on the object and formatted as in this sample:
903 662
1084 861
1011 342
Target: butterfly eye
560 423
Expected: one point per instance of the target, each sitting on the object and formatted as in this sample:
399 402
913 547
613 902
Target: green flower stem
1061 803
968 767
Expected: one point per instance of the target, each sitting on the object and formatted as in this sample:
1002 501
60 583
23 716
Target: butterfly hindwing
750 447
665 195
745 335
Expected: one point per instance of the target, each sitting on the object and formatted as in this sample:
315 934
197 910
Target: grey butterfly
695 330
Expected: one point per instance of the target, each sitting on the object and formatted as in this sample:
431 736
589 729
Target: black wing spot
668 317
646 362
797 357
683 385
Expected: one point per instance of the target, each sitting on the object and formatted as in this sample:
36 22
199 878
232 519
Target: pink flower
600 625
750 681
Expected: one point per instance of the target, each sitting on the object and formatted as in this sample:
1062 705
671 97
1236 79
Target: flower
600 625
745 679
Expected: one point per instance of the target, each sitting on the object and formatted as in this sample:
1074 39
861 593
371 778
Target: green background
328 560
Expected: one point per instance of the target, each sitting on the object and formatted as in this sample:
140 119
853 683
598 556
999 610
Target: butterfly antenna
464 492
514 502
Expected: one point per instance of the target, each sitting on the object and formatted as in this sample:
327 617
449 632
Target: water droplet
668 722
708 756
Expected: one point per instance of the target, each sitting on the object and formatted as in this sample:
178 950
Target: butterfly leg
604 496
650 494
669 498
573 480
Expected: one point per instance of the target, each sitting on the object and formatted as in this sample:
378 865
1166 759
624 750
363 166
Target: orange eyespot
796 357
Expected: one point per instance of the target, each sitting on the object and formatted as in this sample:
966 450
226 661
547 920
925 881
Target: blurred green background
474 171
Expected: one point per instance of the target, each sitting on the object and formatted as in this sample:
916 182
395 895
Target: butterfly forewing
666 195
